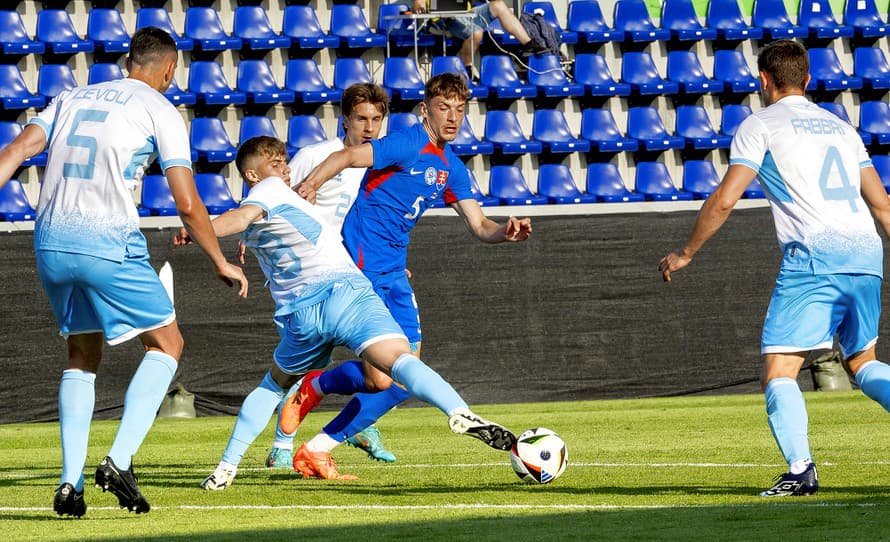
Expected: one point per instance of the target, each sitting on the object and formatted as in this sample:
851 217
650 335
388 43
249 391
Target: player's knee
377 381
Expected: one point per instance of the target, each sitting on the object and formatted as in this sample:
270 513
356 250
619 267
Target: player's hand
517 229
230 274
674 261
182 238
408 273
307 192
242 248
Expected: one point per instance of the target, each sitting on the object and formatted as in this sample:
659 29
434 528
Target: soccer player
321 300
821 185
410 168
93 261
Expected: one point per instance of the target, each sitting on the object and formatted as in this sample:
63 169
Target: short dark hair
149 44
448 85
787 64
260 146
360 93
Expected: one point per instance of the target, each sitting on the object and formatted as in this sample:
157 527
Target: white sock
322 442
282 445
228 467
799 466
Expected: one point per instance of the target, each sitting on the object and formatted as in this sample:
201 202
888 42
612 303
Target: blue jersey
409 172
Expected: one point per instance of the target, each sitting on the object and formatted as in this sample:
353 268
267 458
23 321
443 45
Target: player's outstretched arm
489 231
357 156
711 217
875 196
31 141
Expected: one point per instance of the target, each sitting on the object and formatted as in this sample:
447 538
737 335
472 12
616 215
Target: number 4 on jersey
833 170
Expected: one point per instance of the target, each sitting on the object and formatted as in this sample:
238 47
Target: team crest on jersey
429 175
441 179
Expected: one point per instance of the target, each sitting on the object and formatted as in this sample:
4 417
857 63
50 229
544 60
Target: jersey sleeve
458 183
862 152
46 118
750 144
267 194
171 139
399 148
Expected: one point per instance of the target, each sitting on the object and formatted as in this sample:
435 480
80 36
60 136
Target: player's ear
424 111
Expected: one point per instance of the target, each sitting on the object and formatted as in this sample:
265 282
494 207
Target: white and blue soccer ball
539 456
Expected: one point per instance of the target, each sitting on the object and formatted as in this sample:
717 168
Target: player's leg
859 333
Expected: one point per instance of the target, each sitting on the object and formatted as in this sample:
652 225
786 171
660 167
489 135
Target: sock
873 379
344 379
363 410
228 467
144 395
426 384
77 398
321 442
787 414
255 412
282 439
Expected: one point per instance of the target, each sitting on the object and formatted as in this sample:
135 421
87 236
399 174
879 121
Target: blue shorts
807 310
90 294
398 296
351 315
464 28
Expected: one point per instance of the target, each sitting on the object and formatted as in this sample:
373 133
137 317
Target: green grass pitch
685 468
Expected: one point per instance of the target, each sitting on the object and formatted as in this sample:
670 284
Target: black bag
541 32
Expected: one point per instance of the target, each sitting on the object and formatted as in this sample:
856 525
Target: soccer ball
539 456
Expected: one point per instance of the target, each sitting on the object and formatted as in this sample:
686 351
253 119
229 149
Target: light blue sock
426 384
255 412
77 398
873 379
788 419
363 410
282 439
144 395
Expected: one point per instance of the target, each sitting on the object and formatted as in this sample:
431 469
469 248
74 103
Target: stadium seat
882 166
14 204
870 64
256 81
645 125
546 73
401 31
598 126
402 80
545 9
679 17
840 111
215 193
503 131
586 18
9 130
453 64
252 26
203 26
874 118
684 68
178 96
466 142
303 78
156 196
731 67
53 79
400 121
302 131
497 74
255 126
695 127
348 23
484 201
508 185
555 183
500 36
14 94
604 181
639 71
700 178
104 71
863 16
105 28
655 183
209 141
56 30
772 17
302 27
550 128
725 16
592 71
754 191
816 16
827 74
733 115
159 17
632 18
349 71
207 81
14 40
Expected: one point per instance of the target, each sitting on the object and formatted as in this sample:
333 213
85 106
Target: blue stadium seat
14 204
882 166
586 18
156 196
874 118
160 18
840 111
632 18
401 79
56 30
639 71
401 31
508 185
694 125
209 141
604 181
503 131
484 201
684 68
14 94
827 74
453 64
302 27
53 79
772 17
680 18
497 74
645 125
14 38
816 16
215 193
203 26
348 22
207 81
104 71
349 71
178 96
11 130
870 64
466 142
598 126
546 73
400 121
256 81
302 76
725 16
302 131
733 115
863 16
255 126
700 178
592 71
500 36
550 128
252 26
654 182
731 67
754 191
105 28
545 9
555 183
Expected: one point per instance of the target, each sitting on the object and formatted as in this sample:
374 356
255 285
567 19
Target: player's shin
253 417
787 415
873 379
77 398
426 384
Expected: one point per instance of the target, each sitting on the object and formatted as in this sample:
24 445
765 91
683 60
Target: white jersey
299 253
335 197
808 161
100 138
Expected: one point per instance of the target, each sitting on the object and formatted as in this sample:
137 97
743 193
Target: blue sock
873 379
77 397
282 439
426 384
344 379
255 412
144 395
363 410
788 419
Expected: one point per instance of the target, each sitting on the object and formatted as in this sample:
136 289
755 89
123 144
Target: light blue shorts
464 28
90 294
398 296
351 314
807 310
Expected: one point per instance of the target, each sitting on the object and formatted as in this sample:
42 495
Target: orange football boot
318 465
300 404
